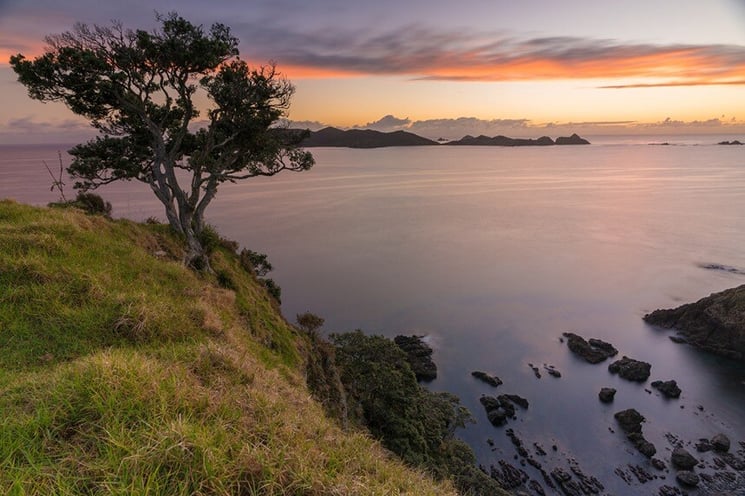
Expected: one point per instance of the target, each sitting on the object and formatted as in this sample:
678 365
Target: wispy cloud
425 53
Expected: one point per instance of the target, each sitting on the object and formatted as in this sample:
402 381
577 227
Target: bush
93 204
255 262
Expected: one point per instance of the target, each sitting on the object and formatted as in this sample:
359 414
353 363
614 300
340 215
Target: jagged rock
508 476
419 356
658 464
551 370
687 478
715 323
594 351
720 442
669 388
670 491
535 370
606 395
703 445
536 487
641 444
518 400
682 459
630 369
564 481
630 420
492 380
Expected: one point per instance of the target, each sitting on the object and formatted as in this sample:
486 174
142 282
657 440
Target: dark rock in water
641 444
630 369
682 459
715 323
720 443
630 420
703 445
492 380
564 480
535 370
508 476
668 388
518 400
536 487
419 356
678 339
574 139
733 142
670 491
687 478
499 409
658 464
551 370
594 351
606 395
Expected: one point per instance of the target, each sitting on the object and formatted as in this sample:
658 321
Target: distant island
368 138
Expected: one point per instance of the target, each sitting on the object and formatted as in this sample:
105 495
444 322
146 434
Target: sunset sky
443 68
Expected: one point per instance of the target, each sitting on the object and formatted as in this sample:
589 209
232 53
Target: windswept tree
140 90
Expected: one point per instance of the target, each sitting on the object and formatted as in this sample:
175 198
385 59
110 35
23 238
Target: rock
715 323
551 370
535 370
687 478
720 443
419 356
518 400
703 445
630 420
682 459
630 369
678 339
669 388
594 351
670 491
606 395
641 444
574 139
658 464
492 380
733 142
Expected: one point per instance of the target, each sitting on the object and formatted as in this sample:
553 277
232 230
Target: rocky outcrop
715 323
630 422
419 356
733 142
606 395
592 351
669 388
687 478
720 443
501 408
574 139
491 380
630 369
682 459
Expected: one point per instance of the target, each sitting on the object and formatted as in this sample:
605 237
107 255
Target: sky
442 68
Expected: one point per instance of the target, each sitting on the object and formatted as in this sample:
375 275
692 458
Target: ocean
492 253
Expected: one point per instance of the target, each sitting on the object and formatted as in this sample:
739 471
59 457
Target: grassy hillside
121 372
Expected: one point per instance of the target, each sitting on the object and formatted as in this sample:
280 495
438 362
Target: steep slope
122 372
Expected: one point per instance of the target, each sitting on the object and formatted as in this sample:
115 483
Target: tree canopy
140 91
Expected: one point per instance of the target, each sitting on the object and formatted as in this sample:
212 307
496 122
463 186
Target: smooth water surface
493 253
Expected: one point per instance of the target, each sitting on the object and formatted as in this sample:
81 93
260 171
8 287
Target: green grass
122 372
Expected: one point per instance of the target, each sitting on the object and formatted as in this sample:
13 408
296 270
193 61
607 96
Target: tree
139 88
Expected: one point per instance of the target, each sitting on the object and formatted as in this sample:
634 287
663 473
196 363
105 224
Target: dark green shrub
255 262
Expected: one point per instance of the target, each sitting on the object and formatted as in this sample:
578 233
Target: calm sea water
493 253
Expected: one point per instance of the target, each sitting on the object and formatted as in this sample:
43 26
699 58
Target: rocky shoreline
715 324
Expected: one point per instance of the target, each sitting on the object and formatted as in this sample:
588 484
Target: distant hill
363 138
482 140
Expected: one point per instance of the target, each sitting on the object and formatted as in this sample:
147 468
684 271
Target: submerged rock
668 388
606 395
492 380
682 459
592 351
687 478
419 356
715 323
630 369
720 443
641 444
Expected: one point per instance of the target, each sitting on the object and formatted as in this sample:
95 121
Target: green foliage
138 89
416 424
309 322
255 262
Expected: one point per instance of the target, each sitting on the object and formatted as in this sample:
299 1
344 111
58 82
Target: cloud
426 53
388 123
26 130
